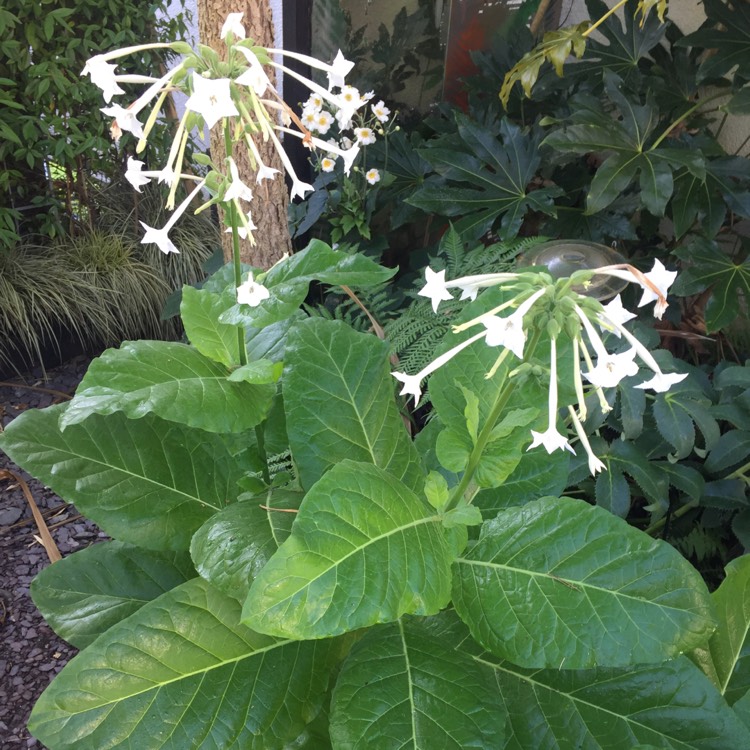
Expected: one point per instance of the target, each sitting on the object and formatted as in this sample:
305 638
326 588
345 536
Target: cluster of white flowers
538 293
236 91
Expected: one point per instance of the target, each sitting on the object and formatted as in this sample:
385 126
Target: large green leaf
402 686
182 672
173 381
200 310
668 705
338 398
87 592
560 583
364 549
726 657
728 280
727 34
231 548
485 178
288 282
145 481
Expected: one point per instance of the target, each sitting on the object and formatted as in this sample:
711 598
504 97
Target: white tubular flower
234 25
610 368
134 174
237 189
614 310
509 331
102 75
380 111
336 71
327 165
125 119
372 176
434 288
661 382
254 77
211 99
251 292
551 439
348 155
595 464
299 188
470 285
265 173
160 237
365 136
411 382
655 283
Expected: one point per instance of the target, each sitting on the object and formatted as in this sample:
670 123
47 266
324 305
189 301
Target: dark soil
30 652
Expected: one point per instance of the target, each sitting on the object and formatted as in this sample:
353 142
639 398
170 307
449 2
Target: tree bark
270 197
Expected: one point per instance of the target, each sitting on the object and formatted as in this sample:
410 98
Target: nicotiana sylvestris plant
289 569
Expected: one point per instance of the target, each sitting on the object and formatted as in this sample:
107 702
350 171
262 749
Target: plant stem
685 115
502 400
232 215
604 17
659 525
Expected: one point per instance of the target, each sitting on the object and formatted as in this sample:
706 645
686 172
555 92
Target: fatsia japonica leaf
200 310
560 583
364 549
173 381
183 672
726 657
87 592
232 547
485 179
403 686
288 282
144 481
338 398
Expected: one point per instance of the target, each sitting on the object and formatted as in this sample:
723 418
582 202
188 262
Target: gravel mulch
30 652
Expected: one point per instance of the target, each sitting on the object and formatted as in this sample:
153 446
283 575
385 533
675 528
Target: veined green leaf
354 520
560 583
200 310
145 481
726 657
338 397
172 381
183 672
403 686
232 547
87 592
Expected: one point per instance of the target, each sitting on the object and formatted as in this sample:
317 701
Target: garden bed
30 652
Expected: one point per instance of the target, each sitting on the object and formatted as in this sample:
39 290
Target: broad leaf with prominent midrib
560 583
175 382
403 686
726 657
199 311
184 673
232 547
339 403
364 549
145 481
87 592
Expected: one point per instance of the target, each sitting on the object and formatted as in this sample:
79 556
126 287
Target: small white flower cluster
237 91
539 294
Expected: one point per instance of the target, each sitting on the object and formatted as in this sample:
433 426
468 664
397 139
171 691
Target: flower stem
502 400
232 215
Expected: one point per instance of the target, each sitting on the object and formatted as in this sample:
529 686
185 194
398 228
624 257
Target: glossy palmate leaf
173 381
339 403
403 686
726 657
558 583
144 481
184 673
87 592
364 549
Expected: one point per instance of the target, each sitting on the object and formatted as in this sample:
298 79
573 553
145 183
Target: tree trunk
271 199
